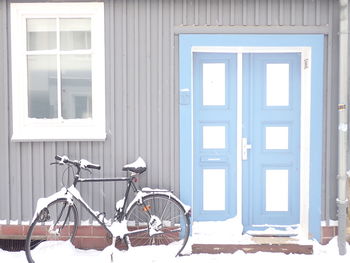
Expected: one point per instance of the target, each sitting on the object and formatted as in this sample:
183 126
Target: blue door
271 140
214 136
270 143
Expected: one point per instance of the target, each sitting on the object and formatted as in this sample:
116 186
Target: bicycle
153 217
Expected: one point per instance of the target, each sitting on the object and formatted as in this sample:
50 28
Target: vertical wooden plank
225 12
287 12
114 105
281 13
142 80
47 174
124 77
249 13
177 10
98 188
15 182
232 13
137 101
292 13
117 20
114 73
208 21
184 12
176 118
299 13
305 14
190 10
108 158
61 148
38 174
160 92
220 18
269 12
196 12
325 19
84 187
173 105
4 116
257 13
318 13
148 88
73 153
167 87
154 138
131 72
244 13
25 180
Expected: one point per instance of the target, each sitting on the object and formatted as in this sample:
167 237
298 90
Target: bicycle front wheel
56 222
159 220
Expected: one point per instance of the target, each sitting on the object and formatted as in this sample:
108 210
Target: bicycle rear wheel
159 220
56 222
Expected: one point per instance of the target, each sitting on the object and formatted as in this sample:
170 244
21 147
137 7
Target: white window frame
33 129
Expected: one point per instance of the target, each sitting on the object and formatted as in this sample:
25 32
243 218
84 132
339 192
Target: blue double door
247 138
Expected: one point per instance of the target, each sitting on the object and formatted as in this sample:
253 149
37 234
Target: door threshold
262 240
272 234
276 231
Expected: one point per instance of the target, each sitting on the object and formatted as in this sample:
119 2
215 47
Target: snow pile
330 250
223 232
64 252
230 231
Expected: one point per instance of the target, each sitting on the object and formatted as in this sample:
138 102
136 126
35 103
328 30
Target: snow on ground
64 252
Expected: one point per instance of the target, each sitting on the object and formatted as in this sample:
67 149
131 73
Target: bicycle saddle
139 166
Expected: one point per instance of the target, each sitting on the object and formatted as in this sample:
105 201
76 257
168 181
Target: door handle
245 148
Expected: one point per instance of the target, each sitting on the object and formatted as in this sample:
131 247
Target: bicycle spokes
158 220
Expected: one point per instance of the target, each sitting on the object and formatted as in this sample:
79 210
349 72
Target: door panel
271 131
271 116
214 136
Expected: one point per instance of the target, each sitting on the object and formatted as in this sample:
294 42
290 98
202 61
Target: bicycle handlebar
83 164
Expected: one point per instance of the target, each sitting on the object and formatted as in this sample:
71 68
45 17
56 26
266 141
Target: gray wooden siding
142 95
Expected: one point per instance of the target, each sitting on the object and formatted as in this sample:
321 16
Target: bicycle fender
148 191
45 201
170 194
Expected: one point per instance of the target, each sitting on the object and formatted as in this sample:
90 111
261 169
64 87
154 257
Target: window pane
214 137
41 34
276 138
276 190
214 189
76 86
277 84
75 33
42 86
214 84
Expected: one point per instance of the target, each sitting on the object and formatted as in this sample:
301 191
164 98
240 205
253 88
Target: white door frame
305 120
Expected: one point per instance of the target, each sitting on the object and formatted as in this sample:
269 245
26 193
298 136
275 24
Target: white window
58 87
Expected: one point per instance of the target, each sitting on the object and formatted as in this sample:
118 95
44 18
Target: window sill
29 134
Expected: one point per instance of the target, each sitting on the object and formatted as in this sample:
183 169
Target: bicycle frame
122 213
130 184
